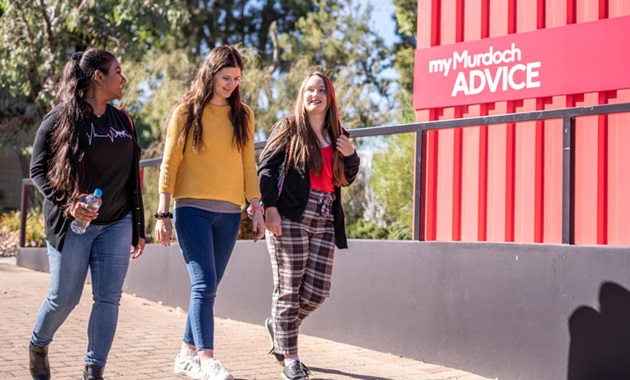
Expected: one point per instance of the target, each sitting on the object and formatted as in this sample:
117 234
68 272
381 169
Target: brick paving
149 336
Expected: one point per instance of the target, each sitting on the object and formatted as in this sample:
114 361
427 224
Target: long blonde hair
296 132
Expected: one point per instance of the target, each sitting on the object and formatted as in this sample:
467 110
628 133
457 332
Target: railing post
416 229
23 211
141 179
568 180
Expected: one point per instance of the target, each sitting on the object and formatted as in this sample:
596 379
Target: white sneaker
188 365
212 369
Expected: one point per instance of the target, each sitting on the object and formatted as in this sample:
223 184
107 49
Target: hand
259 225
344 146
81 211
138 249
274 221
163 231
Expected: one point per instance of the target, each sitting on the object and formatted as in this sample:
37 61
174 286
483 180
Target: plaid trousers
302 262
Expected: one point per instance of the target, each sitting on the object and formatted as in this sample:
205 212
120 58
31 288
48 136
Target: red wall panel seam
571 11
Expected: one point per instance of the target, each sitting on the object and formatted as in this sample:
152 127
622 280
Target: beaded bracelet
162 215
251 210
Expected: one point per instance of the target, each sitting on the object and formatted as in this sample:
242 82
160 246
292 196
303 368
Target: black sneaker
279 357
296 371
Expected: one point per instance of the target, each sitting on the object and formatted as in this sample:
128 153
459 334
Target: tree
160 77
393 176
38 37
240 22
406 21
337 38
161 42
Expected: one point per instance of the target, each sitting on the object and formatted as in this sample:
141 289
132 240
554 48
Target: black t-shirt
109 154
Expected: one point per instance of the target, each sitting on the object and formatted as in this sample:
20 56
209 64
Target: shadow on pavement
346 374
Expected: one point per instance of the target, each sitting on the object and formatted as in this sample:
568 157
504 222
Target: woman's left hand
138 249
344 146
259 226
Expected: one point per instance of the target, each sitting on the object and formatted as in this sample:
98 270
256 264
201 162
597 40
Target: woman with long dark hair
209 170
306 161
84 143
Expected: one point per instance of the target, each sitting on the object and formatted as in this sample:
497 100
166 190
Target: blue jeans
105 251
206 240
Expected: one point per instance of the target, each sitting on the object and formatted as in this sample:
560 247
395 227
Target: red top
323 181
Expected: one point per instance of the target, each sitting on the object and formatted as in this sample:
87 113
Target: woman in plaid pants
308 158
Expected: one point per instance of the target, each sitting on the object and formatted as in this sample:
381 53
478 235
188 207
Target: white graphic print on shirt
112 134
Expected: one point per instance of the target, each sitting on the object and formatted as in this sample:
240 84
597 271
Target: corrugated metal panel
504 182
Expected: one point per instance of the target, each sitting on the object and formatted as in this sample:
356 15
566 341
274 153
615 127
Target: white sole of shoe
186 373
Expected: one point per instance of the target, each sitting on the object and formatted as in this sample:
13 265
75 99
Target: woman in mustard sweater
209 169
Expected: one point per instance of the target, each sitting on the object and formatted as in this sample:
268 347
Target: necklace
98 116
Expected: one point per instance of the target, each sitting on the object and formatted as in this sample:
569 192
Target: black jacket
297 184
56 224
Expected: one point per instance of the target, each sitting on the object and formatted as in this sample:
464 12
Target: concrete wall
510 311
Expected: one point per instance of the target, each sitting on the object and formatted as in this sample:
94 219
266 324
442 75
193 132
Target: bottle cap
98 192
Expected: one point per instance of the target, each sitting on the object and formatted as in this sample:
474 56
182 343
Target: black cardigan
297 184
56 223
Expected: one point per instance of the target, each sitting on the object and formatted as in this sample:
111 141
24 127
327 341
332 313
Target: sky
383 18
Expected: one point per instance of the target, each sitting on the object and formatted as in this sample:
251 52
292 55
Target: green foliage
231 22
337 38
10 228
38 37
155 83
404 66
406 20
392 179
364 229
10 220
393 168
161 42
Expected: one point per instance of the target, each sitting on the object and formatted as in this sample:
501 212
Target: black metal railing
567 115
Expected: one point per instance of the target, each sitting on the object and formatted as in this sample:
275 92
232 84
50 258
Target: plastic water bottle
93 200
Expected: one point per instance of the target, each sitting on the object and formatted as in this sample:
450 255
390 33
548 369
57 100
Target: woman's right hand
82 211
273 221
163 231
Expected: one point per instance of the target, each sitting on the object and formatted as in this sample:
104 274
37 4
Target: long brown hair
200 93
68 170
303 143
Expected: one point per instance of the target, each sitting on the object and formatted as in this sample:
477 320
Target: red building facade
503 183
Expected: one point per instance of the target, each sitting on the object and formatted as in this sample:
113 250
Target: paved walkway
149 336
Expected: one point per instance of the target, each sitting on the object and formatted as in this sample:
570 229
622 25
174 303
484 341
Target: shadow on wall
600 340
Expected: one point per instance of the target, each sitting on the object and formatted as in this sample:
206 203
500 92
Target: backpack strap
133 127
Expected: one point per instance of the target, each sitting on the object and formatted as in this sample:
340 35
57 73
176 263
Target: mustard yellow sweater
220 171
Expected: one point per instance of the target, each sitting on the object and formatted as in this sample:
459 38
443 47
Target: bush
10 231
363 229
